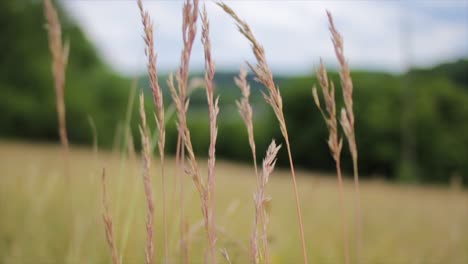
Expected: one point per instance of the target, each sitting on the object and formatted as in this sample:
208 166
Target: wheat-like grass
213 110
205 187
246 112
108 224
189 30
347 123
274 99
261 200
335 143
149 251
59 52
159 103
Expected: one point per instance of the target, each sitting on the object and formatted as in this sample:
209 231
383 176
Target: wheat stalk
158 101
149 251
347 123
334 142
274 99
107 218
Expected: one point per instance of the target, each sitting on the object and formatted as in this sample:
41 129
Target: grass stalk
213 110
149 251
245 110
159 103
260 203
334 142
189 30
274 99
347 123
59 52
108 224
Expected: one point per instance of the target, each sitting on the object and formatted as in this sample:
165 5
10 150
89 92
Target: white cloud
294 33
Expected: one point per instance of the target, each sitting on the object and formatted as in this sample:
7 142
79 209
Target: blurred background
409 62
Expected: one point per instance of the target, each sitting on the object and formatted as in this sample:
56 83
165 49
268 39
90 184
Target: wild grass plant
215 219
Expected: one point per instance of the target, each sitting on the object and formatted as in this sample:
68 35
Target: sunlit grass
39 223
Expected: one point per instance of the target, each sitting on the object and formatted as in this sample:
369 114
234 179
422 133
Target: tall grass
213 110
274 99
186 160
245 110
158 101
59 52
108 223
189 30
347 123
149 252
335 143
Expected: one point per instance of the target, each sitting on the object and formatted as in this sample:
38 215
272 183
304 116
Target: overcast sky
379 35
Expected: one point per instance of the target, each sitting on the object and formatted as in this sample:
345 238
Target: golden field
47 217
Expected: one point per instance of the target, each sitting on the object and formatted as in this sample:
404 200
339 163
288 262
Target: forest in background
432 104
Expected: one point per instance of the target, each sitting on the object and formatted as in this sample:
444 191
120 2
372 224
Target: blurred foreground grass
46 219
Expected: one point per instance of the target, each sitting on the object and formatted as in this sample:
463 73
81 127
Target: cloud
378 34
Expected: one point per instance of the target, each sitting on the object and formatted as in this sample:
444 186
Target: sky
378 35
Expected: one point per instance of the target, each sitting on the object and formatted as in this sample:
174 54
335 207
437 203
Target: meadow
78 204
46 218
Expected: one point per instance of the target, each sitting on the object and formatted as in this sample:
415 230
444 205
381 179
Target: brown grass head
153 74
246 112
329 115
347 114
59 52
189 31
261 69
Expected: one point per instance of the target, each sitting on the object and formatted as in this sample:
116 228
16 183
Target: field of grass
45 218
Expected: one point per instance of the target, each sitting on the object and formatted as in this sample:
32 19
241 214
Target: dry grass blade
347 123
59 53
149 252
158 101
213 110
334 141
273 97
107 218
